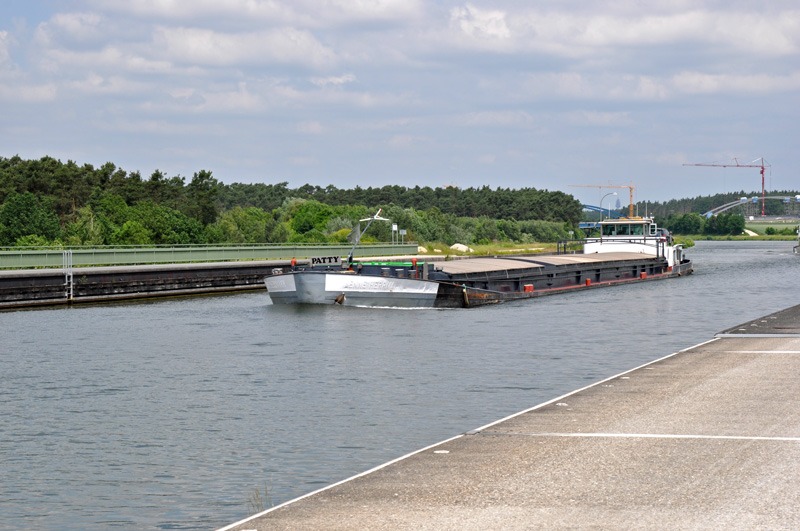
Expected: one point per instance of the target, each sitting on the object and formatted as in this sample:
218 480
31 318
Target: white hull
350 290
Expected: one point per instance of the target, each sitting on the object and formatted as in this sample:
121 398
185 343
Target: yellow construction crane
631 187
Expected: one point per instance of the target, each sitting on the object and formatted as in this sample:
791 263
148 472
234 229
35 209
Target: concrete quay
23 288
705 438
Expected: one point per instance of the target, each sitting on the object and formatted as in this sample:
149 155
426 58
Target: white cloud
480 23
311 13
96 84
187 9
486 159
310 128
210 100
479 27
601 119
5 55
71 27
404 141
701 83
369 10
283 94
208 47
77 26
581 33
239 100
336 81
574 85
646 88
755 32
109 58
26 93
496 118
587 86
155 127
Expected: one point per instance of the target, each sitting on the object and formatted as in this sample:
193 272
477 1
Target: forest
685 216
702 204
49 202
693 223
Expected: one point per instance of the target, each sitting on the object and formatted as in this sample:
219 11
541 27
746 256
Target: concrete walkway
707 438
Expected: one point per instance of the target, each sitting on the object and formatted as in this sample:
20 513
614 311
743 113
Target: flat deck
705 438
487 265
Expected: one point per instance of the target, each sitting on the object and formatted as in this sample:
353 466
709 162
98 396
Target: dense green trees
24 214
724 224
500 203
703 204
694 223
46 201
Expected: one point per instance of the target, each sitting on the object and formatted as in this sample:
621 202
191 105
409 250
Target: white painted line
733 336
658 436
761 351
371 470
558 399
562 397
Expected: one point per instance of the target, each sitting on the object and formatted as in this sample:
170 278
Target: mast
358 240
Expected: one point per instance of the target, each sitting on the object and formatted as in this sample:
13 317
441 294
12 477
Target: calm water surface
168 414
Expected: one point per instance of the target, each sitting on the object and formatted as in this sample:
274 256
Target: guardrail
576 246
569 246
21 258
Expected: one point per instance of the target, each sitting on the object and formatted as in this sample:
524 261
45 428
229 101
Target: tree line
694 223
48 202
703 204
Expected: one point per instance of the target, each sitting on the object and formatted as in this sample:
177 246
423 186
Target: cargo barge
627 250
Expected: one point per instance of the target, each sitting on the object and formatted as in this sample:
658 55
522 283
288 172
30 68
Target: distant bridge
593 224
607 211
745 200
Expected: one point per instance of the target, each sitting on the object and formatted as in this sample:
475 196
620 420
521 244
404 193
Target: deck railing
576 246
39 257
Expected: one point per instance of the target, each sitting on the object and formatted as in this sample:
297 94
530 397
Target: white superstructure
634 235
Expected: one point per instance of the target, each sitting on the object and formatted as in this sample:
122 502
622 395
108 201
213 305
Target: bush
340 236
311 236
24 215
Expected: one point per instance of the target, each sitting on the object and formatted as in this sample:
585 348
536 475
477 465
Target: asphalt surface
706 438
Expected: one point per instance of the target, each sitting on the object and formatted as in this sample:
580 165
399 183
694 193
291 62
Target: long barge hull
469 282
489 281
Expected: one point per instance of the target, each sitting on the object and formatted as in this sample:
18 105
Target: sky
507 93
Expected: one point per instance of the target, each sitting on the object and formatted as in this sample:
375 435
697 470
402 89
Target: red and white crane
736 164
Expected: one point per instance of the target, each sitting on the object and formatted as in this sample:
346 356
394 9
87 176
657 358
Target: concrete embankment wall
38 287
95 274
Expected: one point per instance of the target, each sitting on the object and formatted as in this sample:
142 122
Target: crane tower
736 164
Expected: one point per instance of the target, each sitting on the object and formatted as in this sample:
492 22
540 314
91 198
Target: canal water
170 414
